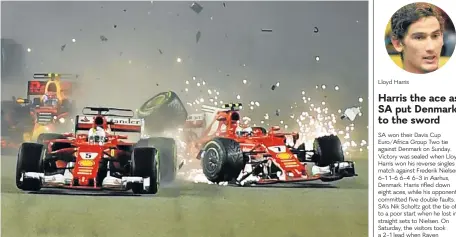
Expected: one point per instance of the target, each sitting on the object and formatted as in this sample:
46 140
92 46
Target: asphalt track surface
188 209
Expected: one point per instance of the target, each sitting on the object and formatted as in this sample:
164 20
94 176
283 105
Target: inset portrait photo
420 38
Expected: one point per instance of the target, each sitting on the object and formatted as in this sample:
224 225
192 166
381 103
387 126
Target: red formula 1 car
97 159
229 153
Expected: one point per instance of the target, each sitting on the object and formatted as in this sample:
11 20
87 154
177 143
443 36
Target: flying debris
103 38
273 87
62 47
266 30
277 112
317 58
351 113
160 51
179 60
316 30
196 7
198 36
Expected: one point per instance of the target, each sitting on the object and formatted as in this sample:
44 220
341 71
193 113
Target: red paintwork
257 142
86 169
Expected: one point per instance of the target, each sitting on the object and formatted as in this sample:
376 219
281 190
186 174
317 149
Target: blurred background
299 65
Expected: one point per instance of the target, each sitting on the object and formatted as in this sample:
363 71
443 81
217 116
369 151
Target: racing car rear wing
54 76
116 124
42 81
116 112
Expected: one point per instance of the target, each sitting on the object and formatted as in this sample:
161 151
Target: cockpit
50 101
98 133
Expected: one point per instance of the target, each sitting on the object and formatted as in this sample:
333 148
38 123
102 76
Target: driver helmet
97 135
244 127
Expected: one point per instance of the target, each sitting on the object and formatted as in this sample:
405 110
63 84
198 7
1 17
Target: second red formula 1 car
97 159
229 153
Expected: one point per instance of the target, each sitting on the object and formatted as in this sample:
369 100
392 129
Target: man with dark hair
417 34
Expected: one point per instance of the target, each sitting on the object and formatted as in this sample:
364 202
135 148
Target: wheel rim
213 159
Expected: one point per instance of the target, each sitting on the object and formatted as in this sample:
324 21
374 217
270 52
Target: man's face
421 46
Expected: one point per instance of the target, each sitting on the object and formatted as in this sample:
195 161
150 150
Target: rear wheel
146 164
301 154
222 160
29 159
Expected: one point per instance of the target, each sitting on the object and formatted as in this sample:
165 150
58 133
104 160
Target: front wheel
145 164
29 159
222 160
167 153
328 150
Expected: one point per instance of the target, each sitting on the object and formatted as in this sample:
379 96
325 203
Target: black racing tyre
167 153
301 154
29 159
222 160
328 150
145 163
49 136
163 111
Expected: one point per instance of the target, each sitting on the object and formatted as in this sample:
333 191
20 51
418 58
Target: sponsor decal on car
284 156
86 163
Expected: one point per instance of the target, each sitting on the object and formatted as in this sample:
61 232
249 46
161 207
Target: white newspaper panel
414 146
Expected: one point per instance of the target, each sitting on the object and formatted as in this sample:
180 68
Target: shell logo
284 156
86 163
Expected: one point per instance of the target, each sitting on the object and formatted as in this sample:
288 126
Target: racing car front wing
109 183
334 172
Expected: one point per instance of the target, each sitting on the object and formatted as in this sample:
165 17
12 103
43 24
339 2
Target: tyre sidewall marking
217 154
217 145
157 167
161 98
